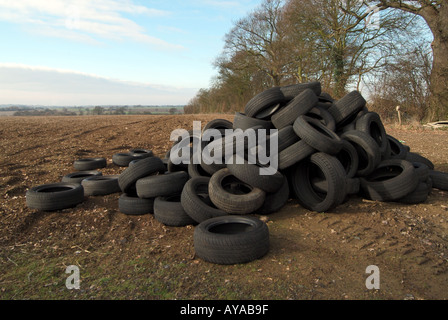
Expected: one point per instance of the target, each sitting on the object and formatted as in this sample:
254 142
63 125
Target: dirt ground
312 255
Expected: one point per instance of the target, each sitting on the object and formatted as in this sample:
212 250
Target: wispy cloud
84 20
39 85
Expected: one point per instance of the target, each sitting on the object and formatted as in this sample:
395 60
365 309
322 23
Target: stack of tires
327 149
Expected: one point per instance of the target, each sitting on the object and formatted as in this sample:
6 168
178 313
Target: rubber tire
88 164
160 185
347 107
78 177
218 124
143 168
54 196
132 205
371 123
250 174
263 100
276 200
231 203
123 159
169 211
141 153
243 122
333 173
367 149
396 148
293 90
415 157
384 185
323 116
101 185
293 154
317 135
439 179
419 195
300 105
348 156
231 240
192 203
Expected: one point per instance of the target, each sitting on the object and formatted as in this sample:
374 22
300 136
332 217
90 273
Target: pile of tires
328 150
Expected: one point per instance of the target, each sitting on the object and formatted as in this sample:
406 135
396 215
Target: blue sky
100 52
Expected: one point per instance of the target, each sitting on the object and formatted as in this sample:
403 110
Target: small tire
231 239
89 164
101 185
193 199
78 177
130 204
160 185
232 195
169 211
54 196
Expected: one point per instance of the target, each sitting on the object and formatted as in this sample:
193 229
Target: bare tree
435 13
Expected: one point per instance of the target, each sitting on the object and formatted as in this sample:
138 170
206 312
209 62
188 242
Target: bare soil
312 255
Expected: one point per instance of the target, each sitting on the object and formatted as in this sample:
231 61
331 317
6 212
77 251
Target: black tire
317 135
232 195
415 157
391 180
323 116
90 164
218 124
250 174
243 122
300 105
123 159
439 179
267 113
293 154
141 153
421 170
293 90
348 156
396 148
346 109
286 137
132 205
330 169
54 196
160 185
193 199
231 239
276 200
368 151
196 170
141 169
419 195
78 177
169 211
371 123
101 185
263 100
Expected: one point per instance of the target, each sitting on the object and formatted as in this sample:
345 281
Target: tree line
394 52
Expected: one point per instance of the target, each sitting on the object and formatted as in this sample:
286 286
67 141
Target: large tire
141 169
263 100
169 211
367 149
231 239
317 135
193 199
346 109
439 179
371 123
160 185
332 171
88 164
243 122
101 185
78 177
232 195
300 105
293 90
250 174
391 180
293 154
130 204
54 196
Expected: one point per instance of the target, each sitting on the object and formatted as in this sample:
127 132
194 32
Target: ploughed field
311 255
